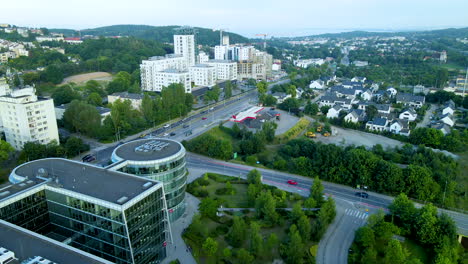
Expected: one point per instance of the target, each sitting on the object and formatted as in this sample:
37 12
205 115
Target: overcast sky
277 17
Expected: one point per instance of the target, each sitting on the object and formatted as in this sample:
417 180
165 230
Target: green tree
292 90
121 83
210 246
295 247
252 192
316 191
324 109
254 177
227 253
262 87
75 146
265 207
147 109
272 243
227 89
395 253
82 117
369 256
5 150
304 227
296 212
311 109
430 137
256 239
237 234
403 208
365 237
428 230
310 203
53 74
269 100
371 112
64 95
244 257
94 99
208 207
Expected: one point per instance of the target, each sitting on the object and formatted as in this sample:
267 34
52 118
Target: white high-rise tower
184 44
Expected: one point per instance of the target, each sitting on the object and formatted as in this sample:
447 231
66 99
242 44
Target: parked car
166 134
86 157
185 126
203 118
292 182
89 158
362 194
167 125
172 134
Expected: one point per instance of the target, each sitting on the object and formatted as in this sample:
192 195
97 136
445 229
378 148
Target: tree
428 230
256 239
227 89
265 207
208 207
254 177
82 118
371 112
269 100
121 83
252 192
147 109
227 253
5 150
296 212
403 208
369 256
311 109
327 213
272 242
53 74
262 87
316 191
395 253
365 237
64 95
94 99
304 227
292 90
310 203
295 247
430 137
210 246
324 109
244 257
74 146
237 234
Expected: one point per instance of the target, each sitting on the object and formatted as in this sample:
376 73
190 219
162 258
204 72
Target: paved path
427 118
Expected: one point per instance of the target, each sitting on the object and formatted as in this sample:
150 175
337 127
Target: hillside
163 34
449 32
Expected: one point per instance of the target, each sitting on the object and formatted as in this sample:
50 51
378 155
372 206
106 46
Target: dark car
89 158
203 118
362 194
185 126
86 157
172 134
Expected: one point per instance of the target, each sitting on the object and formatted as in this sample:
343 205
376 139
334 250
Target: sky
246 17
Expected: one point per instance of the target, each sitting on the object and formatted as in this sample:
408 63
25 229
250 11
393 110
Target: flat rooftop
27 244
129 151
10 189
87 179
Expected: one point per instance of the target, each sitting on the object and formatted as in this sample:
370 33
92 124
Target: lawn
416 250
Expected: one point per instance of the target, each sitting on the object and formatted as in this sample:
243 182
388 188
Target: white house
392 91
377 124
448 119
442 127
367 95
317 84
334 112
448 108
135 99
358 79
399 127
280 97
410 100
355 116
408 114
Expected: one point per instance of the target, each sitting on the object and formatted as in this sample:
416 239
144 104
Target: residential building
392 91
276 65
225 69
377 124
5 56
334 112
317 84
203 75
360 63
408 114
448 108
443 56
447 119
60 110
185 45
49 38
135 99
73 40
367 95
221 52
359 79
73 212
250 70
442 127
355 115
4 87
169 76
280 97
27 118
399 127
150 68
160 160
305 63
416 101
203 57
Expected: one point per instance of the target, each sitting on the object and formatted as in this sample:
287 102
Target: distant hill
449 32
163 34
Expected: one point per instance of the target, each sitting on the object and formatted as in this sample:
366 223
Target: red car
292 182
203 118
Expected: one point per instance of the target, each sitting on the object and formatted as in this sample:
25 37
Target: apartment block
225 69
203 75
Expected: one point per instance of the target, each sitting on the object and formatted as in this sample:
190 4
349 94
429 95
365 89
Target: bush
251 160
203 182
222 230
201 193
213 176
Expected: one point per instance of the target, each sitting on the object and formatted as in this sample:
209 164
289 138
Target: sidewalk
178 249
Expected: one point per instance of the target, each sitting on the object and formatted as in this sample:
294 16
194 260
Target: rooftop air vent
122 199
147 185
5 193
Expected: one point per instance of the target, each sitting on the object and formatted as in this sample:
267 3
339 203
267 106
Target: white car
167 125
166 135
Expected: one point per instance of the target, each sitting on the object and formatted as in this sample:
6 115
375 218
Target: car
172 134
362 194
185 126
167 126
86 157
292 182
203 118
212 108
142 135
165 134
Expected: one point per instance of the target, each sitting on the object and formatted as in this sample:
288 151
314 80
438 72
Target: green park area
245 221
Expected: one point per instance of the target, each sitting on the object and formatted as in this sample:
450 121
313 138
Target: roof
103 110
279 94
202 66
409 110
129 151
405 97
127 95
85 179
173 71
167 56
378 121
403 123
337 107
450 104
27 244
220 61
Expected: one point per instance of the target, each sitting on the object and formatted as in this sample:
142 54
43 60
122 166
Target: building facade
169 76
157 159
203 75
149 70
27 118
225 69
184 45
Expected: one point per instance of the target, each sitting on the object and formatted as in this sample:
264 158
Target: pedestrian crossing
356 214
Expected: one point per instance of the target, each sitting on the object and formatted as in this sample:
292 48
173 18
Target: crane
221 30
264 39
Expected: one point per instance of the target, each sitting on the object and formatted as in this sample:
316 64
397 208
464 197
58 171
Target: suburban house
447 119
410 100
328 79
377 124
448 108
349 93
334 112
399 127
299 92
317 84
442 127
355 115
392 91
358 79
367 95
408 114
381 108
348 84
135 99
280 97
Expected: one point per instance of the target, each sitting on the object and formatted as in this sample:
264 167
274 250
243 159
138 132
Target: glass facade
133 236
174 176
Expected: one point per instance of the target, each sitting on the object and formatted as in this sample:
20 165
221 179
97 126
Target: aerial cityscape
269 132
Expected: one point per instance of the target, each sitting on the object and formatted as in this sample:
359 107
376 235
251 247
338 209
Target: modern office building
72 212
203 75
157 159
26 117
225 69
